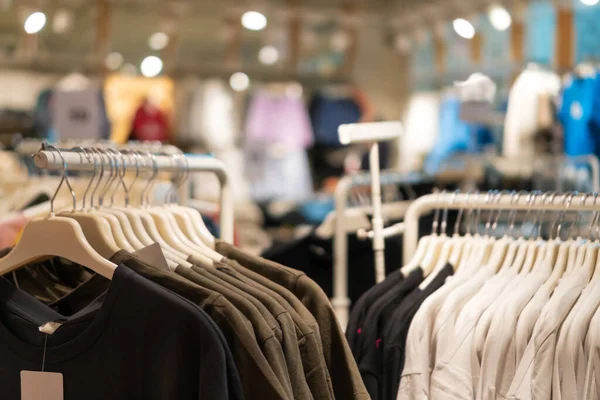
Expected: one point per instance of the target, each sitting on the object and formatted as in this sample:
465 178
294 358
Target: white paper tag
154 256
50 327
37 385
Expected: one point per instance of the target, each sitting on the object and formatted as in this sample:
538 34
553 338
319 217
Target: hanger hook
497 202
569 200
136 160
150 185
436 216
488 223
119 173
89 158
461 211
530 201
95 151
582 202
514 199
594 218
63 178
444 227
541 212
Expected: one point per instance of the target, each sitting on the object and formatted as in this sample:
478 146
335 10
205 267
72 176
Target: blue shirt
455 136
577 112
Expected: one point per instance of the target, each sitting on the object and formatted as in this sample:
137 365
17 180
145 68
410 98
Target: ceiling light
151 66
62 21
268 55
254 21
464 28
158 41
239 81
590 2
501 19
35 22
113 61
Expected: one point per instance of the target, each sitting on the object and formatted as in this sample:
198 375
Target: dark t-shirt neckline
93 320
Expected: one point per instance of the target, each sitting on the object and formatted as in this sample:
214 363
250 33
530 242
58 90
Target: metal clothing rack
47 159
371 133
451 201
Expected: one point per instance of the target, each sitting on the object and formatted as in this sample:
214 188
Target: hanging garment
577 115
327 113
108 329
522 116
150 124
338 356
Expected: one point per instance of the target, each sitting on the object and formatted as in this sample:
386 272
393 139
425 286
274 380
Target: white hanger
38 241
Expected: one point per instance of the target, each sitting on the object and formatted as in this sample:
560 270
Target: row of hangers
93 232
514 249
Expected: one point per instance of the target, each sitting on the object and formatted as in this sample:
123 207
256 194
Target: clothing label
50 327
154 256
37 385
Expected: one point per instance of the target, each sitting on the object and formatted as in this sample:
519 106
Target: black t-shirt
371 338
363 305
396 332
314 256
137 341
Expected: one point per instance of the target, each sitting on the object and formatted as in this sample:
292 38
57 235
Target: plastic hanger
38 241
445 252
460 242
435 246
523 245
560 266
534 246
189 219
96 230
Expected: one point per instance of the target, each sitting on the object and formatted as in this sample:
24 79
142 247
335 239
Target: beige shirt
533 379
498 361
452 375
414 383
592 378
568 380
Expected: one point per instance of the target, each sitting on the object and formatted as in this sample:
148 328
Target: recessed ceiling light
254 21
239 81
268 55
158 41
151 66
464 28
500 17
35 22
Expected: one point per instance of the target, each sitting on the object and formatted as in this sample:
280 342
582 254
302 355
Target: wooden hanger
38 242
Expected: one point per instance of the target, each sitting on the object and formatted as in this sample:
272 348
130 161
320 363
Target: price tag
36 385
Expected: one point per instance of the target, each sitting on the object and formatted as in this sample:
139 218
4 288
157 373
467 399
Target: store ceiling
206 30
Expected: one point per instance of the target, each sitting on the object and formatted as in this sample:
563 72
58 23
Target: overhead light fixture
114 61
158 41
500 17
239 81
254 21
129 69
268 55
62 21
35 22
590 2
464 28
151 66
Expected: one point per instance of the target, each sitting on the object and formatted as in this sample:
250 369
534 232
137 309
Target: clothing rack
371 133
75 161
481 201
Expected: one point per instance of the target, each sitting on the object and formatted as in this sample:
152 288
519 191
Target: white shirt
414 383
499 360
570 359
592 378
452 375
533 379
523 113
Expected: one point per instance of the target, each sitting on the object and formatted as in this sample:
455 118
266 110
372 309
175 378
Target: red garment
150 124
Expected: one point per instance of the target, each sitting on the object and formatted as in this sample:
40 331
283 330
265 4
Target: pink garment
10 230
278 120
